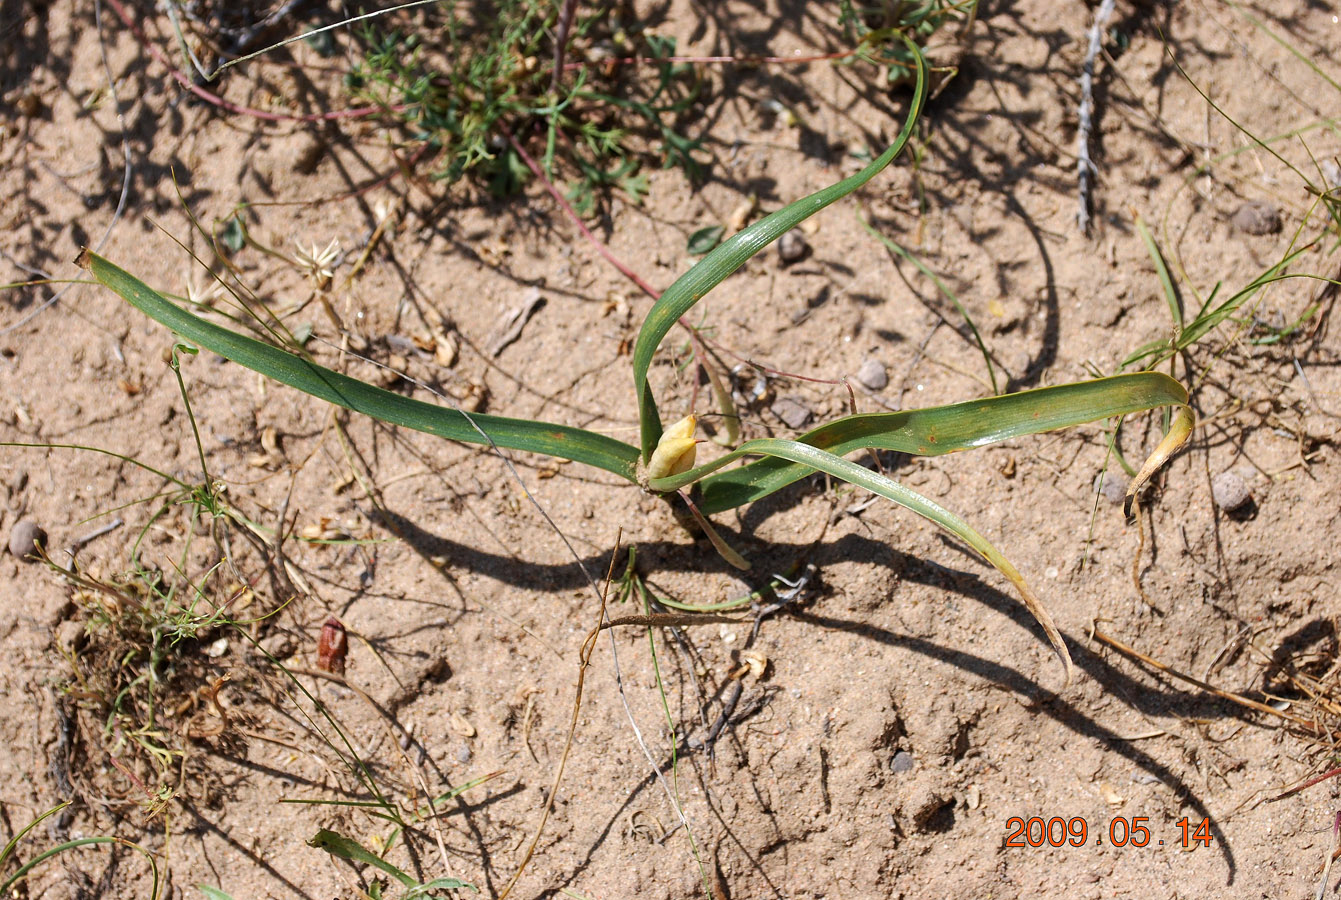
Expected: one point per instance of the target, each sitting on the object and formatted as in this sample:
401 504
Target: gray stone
1114 487
792 412
1331 172
1230 492
873 374
1257 217
903 761
792 246
24 537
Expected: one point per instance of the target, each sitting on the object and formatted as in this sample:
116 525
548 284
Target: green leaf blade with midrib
733 253
562 441
935 431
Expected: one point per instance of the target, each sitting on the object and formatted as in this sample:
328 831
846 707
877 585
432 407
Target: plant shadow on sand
670 556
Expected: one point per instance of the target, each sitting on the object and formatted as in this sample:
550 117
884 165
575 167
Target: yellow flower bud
675 451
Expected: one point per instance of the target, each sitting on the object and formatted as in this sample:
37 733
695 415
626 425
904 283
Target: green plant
874 27
143 656
462 78
143 661
664 461
350 849
10 886
143 683
1210 314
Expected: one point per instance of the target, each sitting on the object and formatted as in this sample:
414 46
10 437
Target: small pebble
445 350
973 796
24 537
1114 487
873 374
903 761
1257 217
792 412
401 345
461 725
792 246
463 754
217 649
1229 491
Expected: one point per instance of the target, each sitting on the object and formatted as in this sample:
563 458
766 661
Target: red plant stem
561 42
739 60
559 198
1307 784
601 248
696 340
227 105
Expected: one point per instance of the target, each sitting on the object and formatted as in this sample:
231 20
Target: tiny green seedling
350 849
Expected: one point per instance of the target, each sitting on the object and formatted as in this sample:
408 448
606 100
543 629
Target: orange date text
1122 831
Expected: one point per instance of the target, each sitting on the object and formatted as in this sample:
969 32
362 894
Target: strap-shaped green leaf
695 284
561 441
933 431
350 849
810 458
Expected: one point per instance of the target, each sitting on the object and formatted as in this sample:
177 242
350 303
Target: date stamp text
1122 831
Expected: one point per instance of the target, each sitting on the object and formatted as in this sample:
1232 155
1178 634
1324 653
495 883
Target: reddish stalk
739 60
567 207
1307 784
181 78
696 340
566 15
601 248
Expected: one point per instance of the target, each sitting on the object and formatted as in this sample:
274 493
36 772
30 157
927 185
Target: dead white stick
511 327
1084 165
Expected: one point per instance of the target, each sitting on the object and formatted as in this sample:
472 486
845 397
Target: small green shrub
463 77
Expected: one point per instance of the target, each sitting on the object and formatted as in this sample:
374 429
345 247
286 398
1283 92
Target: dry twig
1084 165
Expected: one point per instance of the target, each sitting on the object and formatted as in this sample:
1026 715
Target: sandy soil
910 708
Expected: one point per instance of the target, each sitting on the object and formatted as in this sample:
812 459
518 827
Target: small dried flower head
318 264
203 294
675 451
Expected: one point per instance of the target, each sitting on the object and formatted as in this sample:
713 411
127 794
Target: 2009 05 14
1122 832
